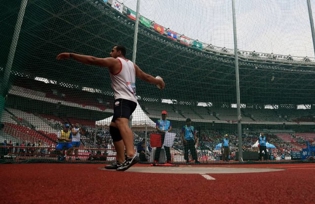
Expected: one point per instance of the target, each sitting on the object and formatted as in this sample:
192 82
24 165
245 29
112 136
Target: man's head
188 121
66 127
226 135
84 131
164 114
118 51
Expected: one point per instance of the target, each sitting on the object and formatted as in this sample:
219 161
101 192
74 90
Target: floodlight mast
135 38
238 98
310 15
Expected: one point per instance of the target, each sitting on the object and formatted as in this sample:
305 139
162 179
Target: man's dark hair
122 49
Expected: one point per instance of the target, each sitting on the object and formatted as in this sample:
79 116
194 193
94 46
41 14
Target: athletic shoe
130 161
77 159
154 163
114 165
197 162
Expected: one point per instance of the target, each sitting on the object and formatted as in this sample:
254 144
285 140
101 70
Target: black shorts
123 108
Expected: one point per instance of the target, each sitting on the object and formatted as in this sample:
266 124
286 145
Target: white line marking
207 177
304 168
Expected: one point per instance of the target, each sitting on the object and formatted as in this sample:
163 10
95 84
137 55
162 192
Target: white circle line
208 177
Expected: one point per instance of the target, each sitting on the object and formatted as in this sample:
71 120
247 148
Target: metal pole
146 140
135 38
8 67
238 98
13 46
311 22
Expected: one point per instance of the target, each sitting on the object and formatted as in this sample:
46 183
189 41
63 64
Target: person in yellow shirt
64 138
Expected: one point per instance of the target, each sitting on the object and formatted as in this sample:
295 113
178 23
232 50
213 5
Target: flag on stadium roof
118 6
146 22
159 28
172 35
185 40
197 44
131 14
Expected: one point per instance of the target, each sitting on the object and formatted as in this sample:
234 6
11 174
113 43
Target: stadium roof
93 27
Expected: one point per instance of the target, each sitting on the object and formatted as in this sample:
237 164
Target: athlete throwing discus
123 75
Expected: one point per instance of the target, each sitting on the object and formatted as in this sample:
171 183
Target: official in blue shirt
262 140
162 126
225 148
189 138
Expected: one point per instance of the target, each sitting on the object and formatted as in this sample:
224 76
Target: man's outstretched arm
149 78
108 62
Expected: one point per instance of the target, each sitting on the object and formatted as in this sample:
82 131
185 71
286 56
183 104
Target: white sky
270 26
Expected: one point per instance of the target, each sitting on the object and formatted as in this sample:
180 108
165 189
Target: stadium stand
204 113
82 98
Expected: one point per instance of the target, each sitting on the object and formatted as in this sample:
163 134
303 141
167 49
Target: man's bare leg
119 147
126 134
120 151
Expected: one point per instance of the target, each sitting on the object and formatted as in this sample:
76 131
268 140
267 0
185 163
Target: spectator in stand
262 140
22 151
51 150
98 156
76 137
141 149
84 131
5 144
33 149
16 148
10 147
39 150
64 138
28 150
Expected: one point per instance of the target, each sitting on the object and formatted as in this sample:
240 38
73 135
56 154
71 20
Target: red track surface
86 183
